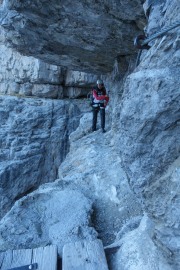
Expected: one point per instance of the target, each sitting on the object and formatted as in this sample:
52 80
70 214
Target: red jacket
99 96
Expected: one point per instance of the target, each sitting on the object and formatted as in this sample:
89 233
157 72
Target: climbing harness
141 41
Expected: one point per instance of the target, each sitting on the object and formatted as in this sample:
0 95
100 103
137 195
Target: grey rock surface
78 84
135 166
47 216
27 76
93 167
79 79
148 130
138 251
34 140
85 35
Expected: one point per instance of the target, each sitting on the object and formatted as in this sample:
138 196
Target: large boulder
47 216
138 250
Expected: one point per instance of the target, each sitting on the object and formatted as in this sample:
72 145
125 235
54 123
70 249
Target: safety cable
141 41
138 57
163 31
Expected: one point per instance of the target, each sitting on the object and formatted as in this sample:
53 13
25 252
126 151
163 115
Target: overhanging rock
83 35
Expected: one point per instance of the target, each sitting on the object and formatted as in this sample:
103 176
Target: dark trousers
95 114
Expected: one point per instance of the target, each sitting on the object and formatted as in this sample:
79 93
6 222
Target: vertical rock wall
34 132
148 129
145 133
33 142
27 76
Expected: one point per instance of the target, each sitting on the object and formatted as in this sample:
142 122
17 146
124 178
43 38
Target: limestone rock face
83 35
33 142
148 128
47 216
133 168
138 250
78 84
93 167
27 76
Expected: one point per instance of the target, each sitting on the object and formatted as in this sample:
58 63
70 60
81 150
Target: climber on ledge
100 100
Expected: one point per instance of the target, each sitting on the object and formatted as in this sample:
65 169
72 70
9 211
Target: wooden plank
45 257
84 255
1 258
7 260
16 258
21 257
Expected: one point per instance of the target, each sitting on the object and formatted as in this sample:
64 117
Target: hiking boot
103 130
93 129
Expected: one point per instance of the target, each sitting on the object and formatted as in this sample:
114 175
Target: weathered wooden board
84 255
45 257
1 257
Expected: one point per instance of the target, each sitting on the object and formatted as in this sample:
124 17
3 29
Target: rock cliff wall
28 76
148 133
148 129
83 35
125 183
34 141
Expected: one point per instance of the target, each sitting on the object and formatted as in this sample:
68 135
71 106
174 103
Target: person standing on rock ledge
99 102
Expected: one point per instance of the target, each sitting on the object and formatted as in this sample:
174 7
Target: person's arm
106 101
106 98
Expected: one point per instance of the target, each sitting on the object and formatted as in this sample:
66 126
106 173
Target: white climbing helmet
100 82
